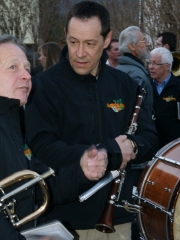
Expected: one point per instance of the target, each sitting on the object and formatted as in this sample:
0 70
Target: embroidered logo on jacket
27 152
169 98
116 106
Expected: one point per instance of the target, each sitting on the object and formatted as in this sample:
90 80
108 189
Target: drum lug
150 182
167 189
171 215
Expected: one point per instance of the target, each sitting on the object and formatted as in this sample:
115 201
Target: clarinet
105 224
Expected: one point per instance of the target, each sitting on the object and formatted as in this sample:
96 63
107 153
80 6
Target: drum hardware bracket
169 160
130 207
158 207
142 238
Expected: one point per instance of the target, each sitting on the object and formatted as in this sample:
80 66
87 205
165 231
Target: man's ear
166 46
167 66
131 47
108 39
107 51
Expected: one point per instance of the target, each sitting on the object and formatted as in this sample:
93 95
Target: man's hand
93 163
126 150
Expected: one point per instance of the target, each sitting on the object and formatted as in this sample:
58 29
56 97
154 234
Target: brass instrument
176 63
8 207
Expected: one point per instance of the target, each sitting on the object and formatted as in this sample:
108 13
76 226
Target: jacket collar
134 57
126 60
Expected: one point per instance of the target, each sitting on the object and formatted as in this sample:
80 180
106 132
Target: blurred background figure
167 40
49 54
113 53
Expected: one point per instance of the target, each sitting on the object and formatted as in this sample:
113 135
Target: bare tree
161 16
17 18
124 13
50 21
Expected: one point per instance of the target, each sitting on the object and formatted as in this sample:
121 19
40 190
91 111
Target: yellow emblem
169 98
27 152
116 106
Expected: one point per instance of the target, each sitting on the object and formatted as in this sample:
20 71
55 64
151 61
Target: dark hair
88 9
52 52
8 38
170 39
112 41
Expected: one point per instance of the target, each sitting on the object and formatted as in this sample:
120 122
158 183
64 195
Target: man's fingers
92 151
94 162
123 137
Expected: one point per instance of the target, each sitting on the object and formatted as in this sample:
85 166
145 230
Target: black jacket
69 112
165 108
63 188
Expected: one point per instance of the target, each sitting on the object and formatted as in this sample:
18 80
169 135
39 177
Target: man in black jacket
166 88
15 85
82 101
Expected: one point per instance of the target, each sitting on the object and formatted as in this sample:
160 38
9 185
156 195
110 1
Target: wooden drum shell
159 188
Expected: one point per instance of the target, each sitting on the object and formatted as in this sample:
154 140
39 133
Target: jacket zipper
99 113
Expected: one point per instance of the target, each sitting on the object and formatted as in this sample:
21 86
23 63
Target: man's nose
81 51
150 66
26 75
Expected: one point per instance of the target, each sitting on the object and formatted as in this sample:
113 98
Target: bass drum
158 195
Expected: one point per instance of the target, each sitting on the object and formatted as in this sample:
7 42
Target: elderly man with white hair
134 49
166 91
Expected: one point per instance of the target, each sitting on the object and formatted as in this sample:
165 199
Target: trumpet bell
8 207
176 63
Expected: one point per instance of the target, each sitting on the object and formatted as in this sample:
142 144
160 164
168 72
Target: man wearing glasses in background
134 49
167 40
166 91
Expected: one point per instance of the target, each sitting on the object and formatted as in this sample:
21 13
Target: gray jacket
138 72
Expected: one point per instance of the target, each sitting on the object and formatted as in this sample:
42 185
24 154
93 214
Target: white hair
165 54
128 35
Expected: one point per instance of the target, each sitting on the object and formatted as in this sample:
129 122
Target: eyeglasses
154 64
144 40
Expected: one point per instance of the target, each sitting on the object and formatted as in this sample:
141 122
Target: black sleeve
67 184
42 130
